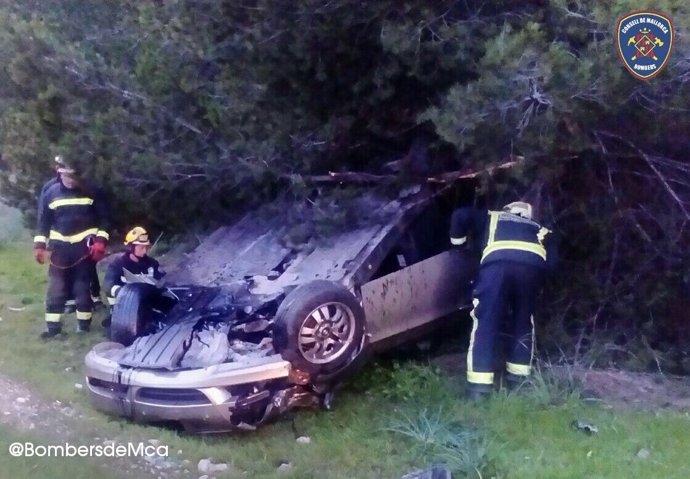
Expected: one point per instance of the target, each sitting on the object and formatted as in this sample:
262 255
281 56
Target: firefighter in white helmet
70 303
72 225
515 253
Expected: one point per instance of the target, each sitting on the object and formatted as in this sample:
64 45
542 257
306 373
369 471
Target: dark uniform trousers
69 276
505 290
516 253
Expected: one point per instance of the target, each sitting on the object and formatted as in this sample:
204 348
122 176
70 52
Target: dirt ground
613 388
55 422
647 391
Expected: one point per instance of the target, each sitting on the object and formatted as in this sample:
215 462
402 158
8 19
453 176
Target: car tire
131 312
319 327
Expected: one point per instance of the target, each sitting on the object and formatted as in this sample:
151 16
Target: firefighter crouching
72 223
516 252
135 260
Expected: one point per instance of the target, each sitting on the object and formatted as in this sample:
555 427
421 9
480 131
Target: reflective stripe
534 339
518 369
40 239
493 222
53 317
76 238
103 234
70 202
71 302
515 245
84 314
480 378
114 290
458 241
542 234
473 376
112 301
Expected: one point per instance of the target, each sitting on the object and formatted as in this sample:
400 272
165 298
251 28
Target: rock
285 467
584 426
21 400
205 476
222 467
204 466
78 386
643 453
154 442
68 369
303 440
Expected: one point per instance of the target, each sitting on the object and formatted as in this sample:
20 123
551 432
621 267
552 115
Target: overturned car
273 312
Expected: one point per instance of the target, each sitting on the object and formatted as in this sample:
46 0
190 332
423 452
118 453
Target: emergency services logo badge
644 40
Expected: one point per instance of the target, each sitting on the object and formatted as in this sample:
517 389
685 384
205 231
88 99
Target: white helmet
519 208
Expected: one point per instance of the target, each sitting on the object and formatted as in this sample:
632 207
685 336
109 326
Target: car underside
275 327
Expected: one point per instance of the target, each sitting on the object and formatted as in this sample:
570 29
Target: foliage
406 383
189 111
463 449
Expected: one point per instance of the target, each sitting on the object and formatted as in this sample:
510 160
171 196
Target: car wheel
319 327
131 312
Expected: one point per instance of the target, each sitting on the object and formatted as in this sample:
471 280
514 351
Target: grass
393 417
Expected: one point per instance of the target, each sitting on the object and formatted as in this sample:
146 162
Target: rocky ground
25 411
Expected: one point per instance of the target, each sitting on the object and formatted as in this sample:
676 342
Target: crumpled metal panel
416 295
162 350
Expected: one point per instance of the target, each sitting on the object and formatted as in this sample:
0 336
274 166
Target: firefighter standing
73 222
516 252
135 259
95 282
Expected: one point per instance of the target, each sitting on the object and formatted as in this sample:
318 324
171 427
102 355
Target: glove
97 250
40 255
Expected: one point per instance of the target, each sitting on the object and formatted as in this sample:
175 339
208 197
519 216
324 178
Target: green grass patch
391 418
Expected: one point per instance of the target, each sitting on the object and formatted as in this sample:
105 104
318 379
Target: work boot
97 302
83 326
514 382
52 330
478 392
70 306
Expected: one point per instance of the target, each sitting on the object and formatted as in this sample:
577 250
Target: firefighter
135 259
515 253
72 224
70 304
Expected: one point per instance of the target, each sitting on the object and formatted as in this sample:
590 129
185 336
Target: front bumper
221 397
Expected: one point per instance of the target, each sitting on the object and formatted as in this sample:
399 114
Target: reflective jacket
503 236
70 215
115 276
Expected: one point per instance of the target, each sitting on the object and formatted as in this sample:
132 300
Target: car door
425 280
